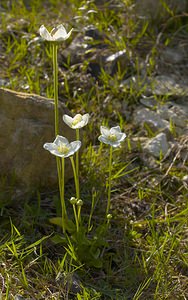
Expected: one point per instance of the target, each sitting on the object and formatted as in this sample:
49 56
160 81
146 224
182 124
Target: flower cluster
62 148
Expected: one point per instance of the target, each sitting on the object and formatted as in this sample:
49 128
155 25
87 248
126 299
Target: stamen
112 137
62 148
77 119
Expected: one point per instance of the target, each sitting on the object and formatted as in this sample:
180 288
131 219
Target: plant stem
76 179
109 182
79 214
62 191
55 73
77 162
76 218
60 164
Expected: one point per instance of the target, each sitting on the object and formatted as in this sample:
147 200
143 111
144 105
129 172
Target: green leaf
69 225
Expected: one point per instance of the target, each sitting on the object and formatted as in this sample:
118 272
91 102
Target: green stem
77 161
58 162
79 214
63 208
76 179
55 73
109 182
76 218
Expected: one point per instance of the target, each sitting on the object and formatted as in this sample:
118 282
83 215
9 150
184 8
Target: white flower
61 147
112 136
77 122
57 34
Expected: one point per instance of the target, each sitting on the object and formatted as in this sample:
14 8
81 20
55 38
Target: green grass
145 255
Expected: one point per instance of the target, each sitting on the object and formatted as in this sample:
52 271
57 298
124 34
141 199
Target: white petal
115 129
104 131
122 137
68 34
115 144
60 140
52 148
85 119
44 33
49 146
61 33
103 139
68 120
76 145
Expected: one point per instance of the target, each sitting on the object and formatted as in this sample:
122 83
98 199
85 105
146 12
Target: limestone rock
159 10
26 123
178 114
144 115
157 145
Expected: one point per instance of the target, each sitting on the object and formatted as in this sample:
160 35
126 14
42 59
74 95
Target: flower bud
79 202
73 200
109 216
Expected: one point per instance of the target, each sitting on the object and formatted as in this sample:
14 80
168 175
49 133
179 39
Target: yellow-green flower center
63 149
112 137
77 119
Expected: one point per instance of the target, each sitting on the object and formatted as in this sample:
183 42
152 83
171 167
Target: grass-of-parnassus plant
78 240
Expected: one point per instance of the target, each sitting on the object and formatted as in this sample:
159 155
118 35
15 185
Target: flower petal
61 33
104 131
44 33
105 140
52 148
68 120
76 145
60 140
85 118
115 129
49 146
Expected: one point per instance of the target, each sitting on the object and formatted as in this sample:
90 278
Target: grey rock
3 82
167 85
19 297
119 61
149 102
155 10
26 123
157 145
178 114
144 115
174 55
162 85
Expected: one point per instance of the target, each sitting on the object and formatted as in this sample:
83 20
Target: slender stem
76 217
63 208
79 214
55 73
58 162
77 162
76 179
109 182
